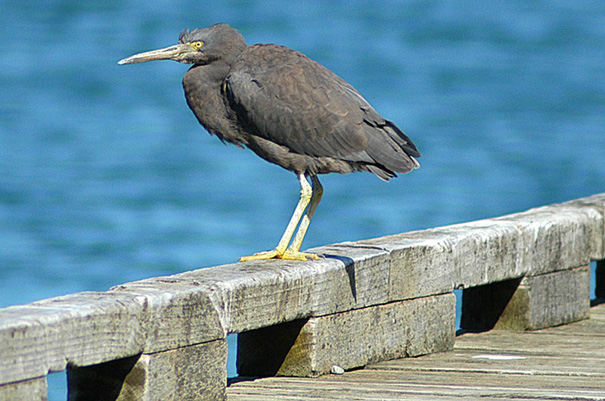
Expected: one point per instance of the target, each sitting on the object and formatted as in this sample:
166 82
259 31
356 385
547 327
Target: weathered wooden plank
178 312
457 256
441 260
546 364
485 382
577 340
590 204
169 312
262 293
531 303
197 372
367 271
593 327
82 328
30 390
553 299
533 343
338 394
461 373
597 312
164 313
351 339
560 236
351 393
386 385
488 361
90 328
539 241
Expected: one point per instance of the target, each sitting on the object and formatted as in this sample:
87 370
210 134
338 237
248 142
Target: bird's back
302 116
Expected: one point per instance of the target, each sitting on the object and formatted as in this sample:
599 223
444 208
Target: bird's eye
197 45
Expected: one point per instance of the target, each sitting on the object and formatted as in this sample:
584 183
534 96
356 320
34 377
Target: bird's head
198 46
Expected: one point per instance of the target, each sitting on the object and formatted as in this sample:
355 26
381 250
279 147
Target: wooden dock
362 307
560 363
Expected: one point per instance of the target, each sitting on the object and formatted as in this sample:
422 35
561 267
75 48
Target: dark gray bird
290 111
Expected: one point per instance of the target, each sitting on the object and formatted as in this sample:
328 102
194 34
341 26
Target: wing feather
289 99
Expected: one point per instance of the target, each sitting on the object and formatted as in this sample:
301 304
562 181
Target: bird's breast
205 97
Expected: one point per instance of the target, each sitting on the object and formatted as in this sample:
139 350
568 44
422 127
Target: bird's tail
393 152
401 139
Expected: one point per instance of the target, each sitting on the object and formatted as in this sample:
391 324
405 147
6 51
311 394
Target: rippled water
106 177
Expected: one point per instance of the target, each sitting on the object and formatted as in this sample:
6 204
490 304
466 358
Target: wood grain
561 363
166 313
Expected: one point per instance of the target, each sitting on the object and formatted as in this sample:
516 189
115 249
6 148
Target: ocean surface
106 176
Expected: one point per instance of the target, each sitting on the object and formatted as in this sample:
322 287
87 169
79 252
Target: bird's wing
295 102
289 99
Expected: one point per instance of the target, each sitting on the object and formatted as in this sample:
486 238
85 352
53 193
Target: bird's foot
297 255
260 256
275 254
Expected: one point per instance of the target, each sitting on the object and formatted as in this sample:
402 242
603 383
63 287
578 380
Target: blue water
106 177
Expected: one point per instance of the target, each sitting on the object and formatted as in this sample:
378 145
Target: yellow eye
197 45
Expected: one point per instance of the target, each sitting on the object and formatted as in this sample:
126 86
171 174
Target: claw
287 255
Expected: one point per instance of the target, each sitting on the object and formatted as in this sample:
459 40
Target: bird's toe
266 255
275 254
296 255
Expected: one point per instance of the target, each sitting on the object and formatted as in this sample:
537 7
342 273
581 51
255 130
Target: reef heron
289 110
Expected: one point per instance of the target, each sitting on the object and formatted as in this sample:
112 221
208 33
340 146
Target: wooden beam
32 390
166 313
350 339
531 303
197 372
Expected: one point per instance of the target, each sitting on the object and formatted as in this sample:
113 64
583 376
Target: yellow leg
282 251
294 248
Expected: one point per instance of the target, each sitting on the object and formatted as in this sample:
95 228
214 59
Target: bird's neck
203 90
213 73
